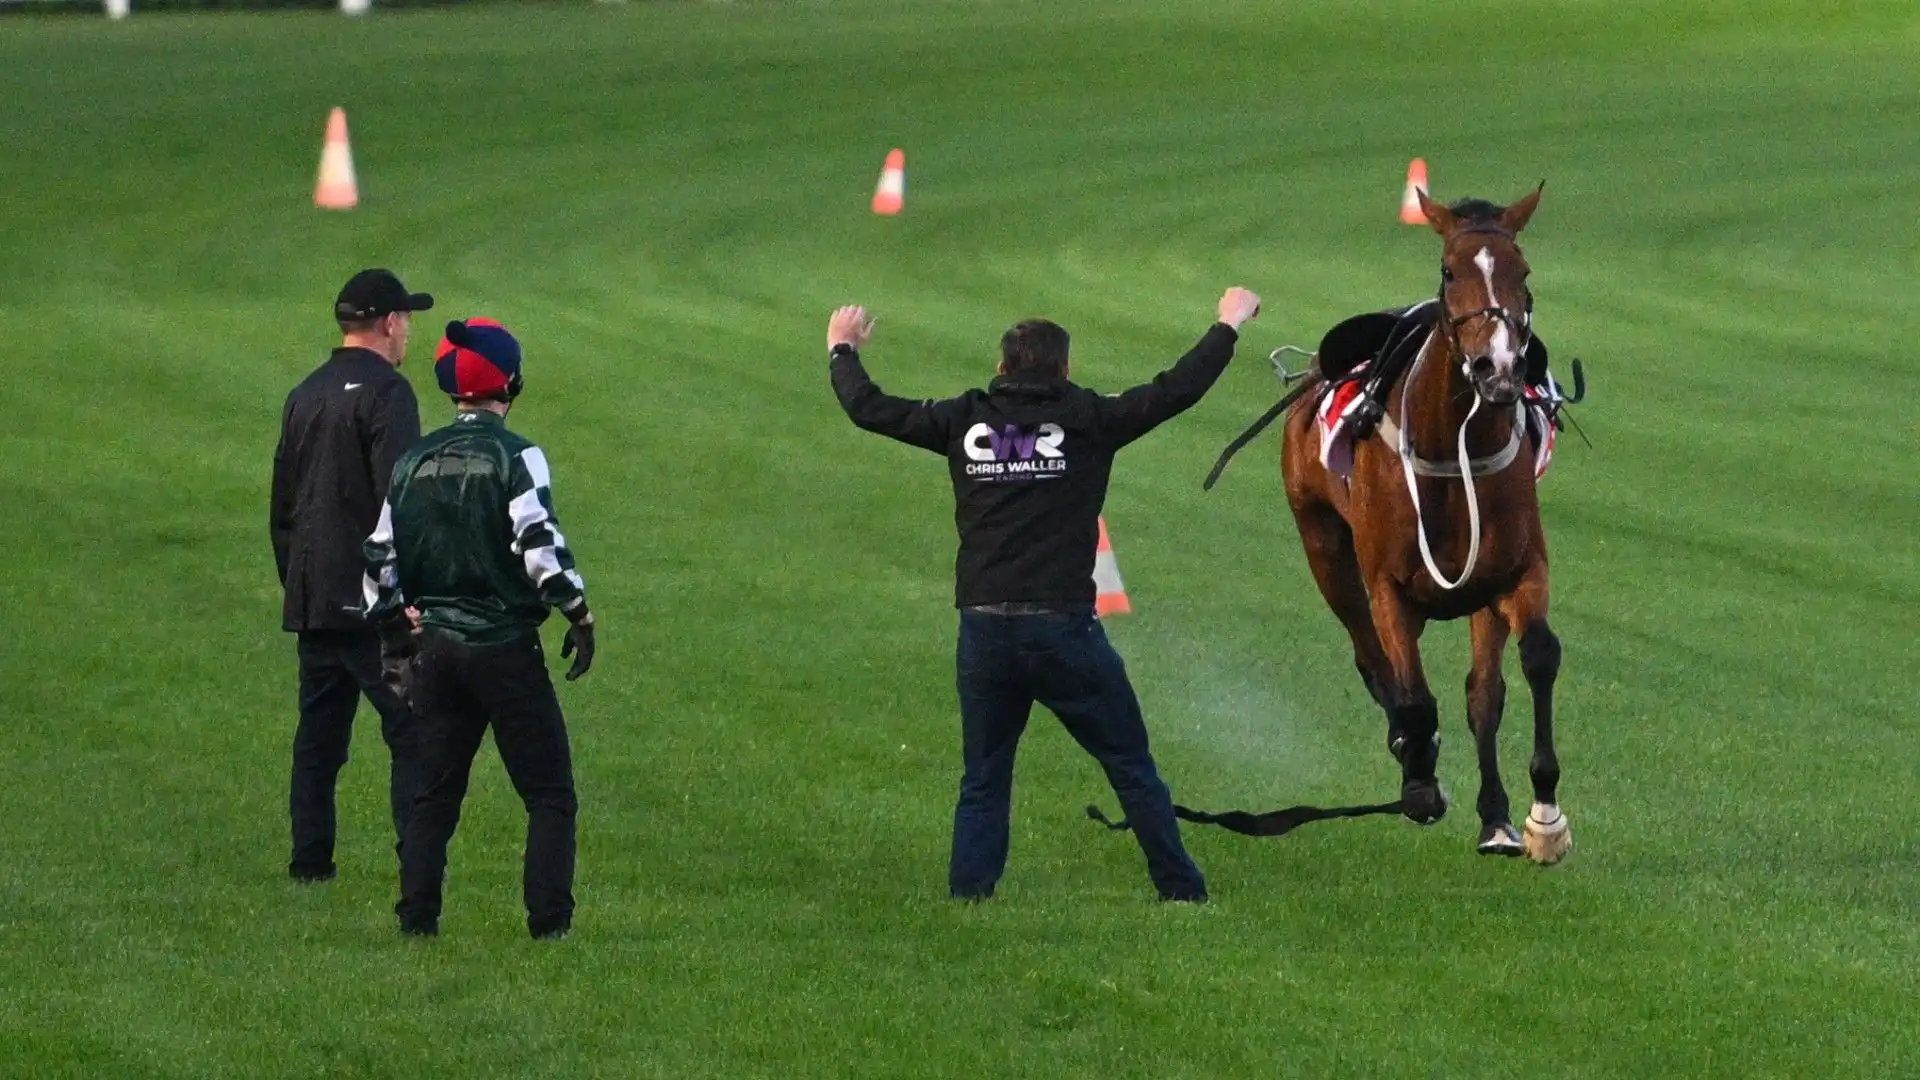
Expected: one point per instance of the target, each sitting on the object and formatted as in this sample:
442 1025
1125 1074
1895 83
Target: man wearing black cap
341 431
469 540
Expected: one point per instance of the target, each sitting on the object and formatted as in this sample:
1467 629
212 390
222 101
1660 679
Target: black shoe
550 927
311 875
419 929
1183 898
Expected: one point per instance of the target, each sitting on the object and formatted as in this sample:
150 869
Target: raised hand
849 326
1238 306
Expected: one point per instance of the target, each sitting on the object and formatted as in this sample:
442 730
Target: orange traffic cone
337 189
892 192
1110 596
1410 213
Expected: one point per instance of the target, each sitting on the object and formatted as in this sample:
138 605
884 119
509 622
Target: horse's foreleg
1413 717
1486 702
1547 834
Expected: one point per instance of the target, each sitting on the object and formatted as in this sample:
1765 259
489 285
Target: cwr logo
1015 454
1014 443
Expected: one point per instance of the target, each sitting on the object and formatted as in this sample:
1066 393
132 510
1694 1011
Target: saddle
1375 348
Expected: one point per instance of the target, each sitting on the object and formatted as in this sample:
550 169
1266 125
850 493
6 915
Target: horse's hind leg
1329 544
1486 702
1547 834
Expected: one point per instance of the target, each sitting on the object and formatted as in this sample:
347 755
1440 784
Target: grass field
665 201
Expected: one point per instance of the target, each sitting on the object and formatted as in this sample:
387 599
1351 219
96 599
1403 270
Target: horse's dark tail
1271 823
1253 432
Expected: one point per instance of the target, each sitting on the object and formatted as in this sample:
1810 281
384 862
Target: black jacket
1030 459
341 432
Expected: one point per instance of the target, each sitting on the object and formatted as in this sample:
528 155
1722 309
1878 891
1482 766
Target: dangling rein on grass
1271 823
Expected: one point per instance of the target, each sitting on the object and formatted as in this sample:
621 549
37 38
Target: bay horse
1439 520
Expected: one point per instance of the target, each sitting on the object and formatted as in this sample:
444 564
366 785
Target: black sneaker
423 930
311 875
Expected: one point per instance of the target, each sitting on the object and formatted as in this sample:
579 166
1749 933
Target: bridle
1520 326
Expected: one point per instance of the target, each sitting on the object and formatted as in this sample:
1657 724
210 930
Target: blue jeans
1005 664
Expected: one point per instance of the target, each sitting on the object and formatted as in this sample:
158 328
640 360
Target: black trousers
337 668
1063 661
459 691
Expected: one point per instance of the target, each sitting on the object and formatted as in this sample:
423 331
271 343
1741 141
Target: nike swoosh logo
355 385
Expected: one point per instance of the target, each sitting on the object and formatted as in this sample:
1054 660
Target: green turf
665 201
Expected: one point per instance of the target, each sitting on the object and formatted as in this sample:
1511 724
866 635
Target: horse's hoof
1500 839
1423 804
1548 838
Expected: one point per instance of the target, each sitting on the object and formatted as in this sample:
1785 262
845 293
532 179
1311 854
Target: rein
1248 823
1468 467
1252 432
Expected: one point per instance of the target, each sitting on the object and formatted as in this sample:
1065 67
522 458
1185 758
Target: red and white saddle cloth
1336 442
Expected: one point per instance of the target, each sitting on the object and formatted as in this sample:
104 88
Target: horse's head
1483 286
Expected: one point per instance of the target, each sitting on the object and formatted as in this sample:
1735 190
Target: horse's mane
1474 211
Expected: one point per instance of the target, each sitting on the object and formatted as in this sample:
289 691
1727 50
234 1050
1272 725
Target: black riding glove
579 639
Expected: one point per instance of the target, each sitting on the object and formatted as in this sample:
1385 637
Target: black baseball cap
373 293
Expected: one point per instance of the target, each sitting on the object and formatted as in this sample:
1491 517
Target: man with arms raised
1030 457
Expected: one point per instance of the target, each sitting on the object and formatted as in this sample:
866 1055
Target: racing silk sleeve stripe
536 533
380 586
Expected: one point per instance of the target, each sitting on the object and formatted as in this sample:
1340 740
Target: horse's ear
1515 217
1437 213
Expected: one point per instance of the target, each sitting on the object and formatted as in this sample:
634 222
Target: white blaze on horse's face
1501 347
